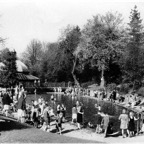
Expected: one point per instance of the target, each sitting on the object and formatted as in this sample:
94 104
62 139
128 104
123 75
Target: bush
125 88
141 91
111 87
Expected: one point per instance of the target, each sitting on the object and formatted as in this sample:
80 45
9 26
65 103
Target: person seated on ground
110 128
59 122
90 125
74 114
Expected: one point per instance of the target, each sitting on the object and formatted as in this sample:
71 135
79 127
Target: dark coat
6 99
21 103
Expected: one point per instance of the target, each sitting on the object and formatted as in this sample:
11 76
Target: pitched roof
21 67
21 76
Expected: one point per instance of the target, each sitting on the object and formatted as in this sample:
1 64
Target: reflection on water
89 107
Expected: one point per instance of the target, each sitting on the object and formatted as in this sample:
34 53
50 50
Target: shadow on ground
67 131
8 124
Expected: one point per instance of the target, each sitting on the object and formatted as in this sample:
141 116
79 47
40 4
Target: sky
24 20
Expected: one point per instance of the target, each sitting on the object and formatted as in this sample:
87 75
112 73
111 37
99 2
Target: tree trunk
74 76
102 78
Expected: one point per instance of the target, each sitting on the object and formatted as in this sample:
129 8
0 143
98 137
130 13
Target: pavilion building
23 75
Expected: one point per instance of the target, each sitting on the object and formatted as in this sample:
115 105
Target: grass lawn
14 132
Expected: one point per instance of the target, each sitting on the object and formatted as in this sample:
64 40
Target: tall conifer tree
10 71
133 66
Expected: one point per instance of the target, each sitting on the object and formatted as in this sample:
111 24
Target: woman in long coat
80 113
131 125
124 122
21 107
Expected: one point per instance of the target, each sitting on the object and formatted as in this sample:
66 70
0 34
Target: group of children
41 114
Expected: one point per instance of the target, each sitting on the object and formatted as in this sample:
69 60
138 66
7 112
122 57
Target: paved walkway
90 134
69 134
13 132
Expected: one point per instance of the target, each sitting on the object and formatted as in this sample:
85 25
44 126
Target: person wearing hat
21 107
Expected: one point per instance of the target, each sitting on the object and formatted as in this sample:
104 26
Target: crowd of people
40 113
131 99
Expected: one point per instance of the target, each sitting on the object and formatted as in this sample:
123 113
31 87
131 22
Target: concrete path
71 134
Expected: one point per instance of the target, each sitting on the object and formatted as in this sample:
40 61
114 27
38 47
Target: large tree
68 51
101 40
3 54
33 55
134 55
9 72
49 64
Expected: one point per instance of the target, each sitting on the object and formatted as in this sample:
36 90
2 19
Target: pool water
90 111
